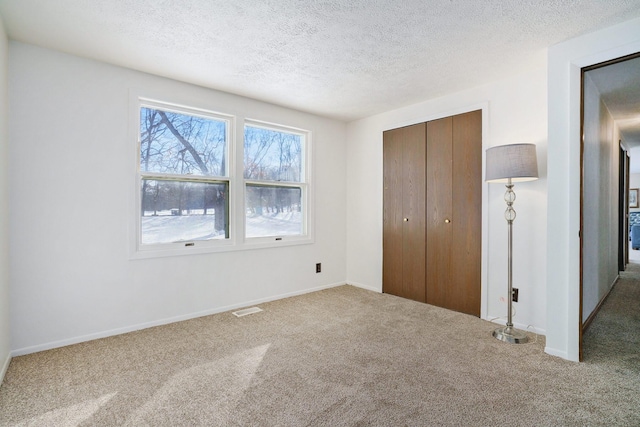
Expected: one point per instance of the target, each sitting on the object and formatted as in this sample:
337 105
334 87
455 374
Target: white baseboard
360 285
556 352
4 368
119 331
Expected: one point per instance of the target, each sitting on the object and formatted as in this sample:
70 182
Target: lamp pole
508 333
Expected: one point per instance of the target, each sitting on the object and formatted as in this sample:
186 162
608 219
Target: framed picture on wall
633 198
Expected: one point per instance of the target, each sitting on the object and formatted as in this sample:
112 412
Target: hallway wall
600 199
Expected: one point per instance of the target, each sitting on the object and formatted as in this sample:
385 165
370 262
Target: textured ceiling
345 59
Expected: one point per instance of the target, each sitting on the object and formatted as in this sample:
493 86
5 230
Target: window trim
304 185
237 240
141 250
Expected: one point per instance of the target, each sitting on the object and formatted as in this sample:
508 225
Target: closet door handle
405 219
447 221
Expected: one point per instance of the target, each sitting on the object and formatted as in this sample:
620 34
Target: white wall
5 342
72 178
634 182
514 111
600 199
563 255
634 154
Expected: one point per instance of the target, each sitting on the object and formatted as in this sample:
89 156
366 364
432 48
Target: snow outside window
184 184
275 182
211 182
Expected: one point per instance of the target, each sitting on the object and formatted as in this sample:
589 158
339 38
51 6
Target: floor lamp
508 164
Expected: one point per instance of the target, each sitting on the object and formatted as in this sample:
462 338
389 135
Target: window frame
192 246
236 199
303 184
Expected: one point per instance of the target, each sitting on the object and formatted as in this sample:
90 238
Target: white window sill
158 251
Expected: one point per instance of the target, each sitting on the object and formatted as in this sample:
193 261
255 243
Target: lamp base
510 335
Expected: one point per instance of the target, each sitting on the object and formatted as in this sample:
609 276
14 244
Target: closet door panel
413 209
467 212
439 211
392 246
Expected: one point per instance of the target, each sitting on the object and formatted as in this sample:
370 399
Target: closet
432 212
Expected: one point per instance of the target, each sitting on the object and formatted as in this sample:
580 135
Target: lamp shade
517 162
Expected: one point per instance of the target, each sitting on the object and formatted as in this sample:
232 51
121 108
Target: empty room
285 213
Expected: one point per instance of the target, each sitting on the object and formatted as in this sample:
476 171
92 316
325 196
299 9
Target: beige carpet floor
339 357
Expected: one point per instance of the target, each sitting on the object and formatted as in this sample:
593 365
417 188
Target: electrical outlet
514 295
318 267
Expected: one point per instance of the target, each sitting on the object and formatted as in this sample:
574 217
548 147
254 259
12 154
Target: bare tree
272 155
174 143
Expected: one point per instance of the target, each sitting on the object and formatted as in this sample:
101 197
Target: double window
193 194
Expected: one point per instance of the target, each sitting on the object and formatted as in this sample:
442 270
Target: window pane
272 155
273 211
181 144
176 211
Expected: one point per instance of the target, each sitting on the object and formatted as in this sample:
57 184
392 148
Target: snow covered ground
165 227
282 224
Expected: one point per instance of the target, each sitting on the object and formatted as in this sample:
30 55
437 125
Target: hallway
613 339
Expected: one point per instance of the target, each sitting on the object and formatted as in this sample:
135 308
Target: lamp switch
514 294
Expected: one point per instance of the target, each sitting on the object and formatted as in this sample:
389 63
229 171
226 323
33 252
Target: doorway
610 129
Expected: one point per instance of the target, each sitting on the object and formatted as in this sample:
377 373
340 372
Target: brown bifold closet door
432 212
403 267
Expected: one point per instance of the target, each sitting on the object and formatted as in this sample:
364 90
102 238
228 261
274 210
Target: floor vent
246 311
